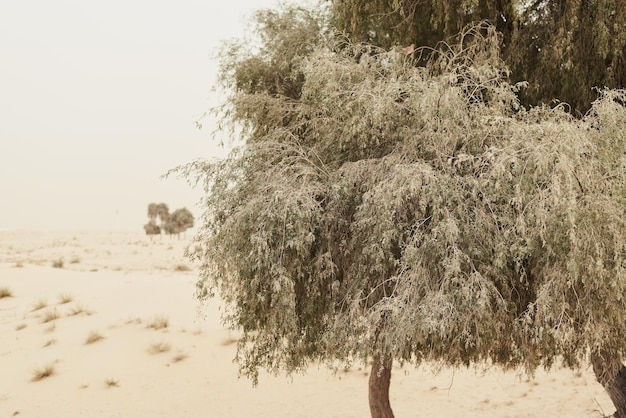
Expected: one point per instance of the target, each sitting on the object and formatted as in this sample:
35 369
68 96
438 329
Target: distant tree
179 221
152 228
153 211
380 211
163 212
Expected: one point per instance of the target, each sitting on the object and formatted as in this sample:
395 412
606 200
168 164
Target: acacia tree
379 211
179 221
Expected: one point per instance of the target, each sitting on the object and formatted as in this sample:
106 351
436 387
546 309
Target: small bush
182 267
179 357
50 315
112 383
94 336
49 343
65 298
158 348
158 322
58 264
41 303
5 292
77 310
75 260
41 373
18 264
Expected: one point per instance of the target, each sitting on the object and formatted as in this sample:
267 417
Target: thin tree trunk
611 374
380 379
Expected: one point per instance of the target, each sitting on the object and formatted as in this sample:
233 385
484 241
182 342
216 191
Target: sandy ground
122 288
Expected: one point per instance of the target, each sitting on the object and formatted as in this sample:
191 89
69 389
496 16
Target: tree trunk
380 379
611 374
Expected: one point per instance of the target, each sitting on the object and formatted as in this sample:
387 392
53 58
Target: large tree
380 211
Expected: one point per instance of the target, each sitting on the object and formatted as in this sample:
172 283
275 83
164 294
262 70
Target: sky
98 99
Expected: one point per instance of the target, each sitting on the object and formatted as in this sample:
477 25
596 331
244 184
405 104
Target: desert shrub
158 322
5 292
41 373
93 337
158 348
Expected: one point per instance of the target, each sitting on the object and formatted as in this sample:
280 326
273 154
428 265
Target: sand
121 288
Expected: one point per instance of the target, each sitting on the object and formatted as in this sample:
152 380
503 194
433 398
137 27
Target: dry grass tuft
18 264
179 357
182 267
158 322
229 341
77 310
41 303
5 292
94 336
50 315
49 343
58 264
158 348
41 373
112 383
65 298
75 260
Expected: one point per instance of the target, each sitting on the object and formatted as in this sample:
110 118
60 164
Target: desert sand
117 324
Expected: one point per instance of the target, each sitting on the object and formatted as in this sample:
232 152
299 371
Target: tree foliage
388 209
564 49
179 221
152 228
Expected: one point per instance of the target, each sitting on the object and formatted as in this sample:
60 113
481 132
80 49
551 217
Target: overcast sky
98 99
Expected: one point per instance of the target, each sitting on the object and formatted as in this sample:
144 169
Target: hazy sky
98 99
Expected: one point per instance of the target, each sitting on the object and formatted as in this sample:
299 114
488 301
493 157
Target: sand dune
123 336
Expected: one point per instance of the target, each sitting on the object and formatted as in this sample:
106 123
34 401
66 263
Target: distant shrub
158 348
94 336
39 305
5 292
158 322
182 267
58 264
179 357
50 315
111 383
65 298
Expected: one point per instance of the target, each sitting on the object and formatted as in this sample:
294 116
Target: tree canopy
382 210
564 49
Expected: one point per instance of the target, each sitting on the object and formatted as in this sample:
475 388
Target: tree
163 212
152 228
153 211
157 210
380 211
564 49
179 221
